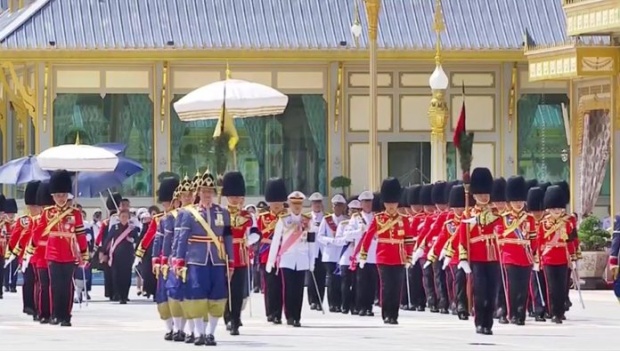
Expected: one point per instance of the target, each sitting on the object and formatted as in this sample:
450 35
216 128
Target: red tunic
477 237
553 242
432 228
36 249
516 232
102 230
266 225
394 239
64 230
574 247
417 222
448 229
241 222
148 237
20 228
4 238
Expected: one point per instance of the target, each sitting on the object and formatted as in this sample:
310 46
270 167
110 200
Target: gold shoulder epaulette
284 215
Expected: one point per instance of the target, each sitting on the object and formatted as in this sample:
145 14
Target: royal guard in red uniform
574 246
275 195
478 250
498 196
456 278
538 296
553 250
416 286
245 233
35 256
422 247
514 239
394 248
66 245
20 236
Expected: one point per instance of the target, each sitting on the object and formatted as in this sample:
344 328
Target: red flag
460 129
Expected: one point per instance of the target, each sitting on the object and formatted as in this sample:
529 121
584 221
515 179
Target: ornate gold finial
228 74
77 139
373 8
439 27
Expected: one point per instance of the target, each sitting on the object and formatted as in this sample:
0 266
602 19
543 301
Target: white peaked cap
316 197
296 195
366 195
338 199
355 204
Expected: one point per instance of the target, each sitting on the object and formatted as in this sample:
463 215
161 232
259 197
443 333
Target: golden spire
439 27
228 74
77 139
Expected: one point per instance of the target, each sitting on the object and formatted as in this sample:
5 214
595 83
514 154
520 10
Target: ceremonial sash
331 224
264 247
290 242
214 238
556 236
117 242
57 220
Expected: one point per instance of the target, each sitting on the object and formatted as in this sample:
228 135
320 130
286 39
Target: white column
438 157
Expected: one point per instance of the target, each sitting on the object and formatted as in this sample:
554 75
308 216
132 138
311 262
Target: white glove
446 263
408 264
427 264
362 263
252 239
442 254
136 262
268 268
9 260
312 268
464 265
577 265
417 254
536 267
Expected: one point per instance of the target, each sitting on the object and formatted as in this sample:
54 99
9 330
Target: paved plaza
103 325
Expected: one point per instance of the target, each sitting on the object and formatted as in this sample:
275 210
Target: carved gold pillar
438 117
373 8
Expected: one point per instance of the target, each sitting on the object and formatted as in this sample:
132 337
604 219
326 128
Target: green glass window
112 118
292 145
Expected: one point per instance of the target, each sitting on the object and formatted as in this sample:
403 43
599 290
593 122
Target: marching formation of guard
493 249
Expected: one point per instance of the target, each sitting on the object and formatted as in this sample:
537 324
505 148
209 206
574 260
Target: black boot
168 336
179 336
234 329
210 340
189 338
201 340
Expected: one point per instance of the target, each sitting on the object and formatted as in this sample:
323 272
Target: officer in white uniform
291 254
347 248
331 251
316 292
367 278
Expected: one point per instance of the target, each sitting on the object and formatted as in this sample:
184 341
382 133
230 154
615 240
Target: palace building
110 70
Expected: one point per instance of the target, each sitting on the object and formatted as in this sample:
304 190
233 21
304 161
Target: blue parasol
22 170
90 184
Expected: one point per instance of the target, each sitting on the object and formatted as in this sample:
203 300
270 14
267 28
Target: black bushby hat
413 195
530 183
554 197
516 189
403 198
426 195
481 181
457 196
275 190
44 197
390 190
498 191
535 198
60 182
233 184
565 188
438 193
377 203
30 194
166 190
10 206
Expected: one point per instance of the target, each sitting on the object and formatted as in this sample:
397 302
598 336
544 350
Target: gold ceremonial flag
228 128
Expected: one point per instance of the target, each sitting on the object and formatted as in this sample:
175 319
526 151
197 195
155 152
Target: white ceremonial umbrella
77 158
239 98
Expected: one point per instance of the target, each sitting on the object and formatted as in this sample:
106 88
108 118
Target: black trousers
539 289
441 287
121 275
256 277
486 276
28 289
428 279
320 275
10 275
518 285
391 281
238 292
366 281
273 293
501 310
556 277
347 288
44 301
334 298
569 278
61 283
293 293
460 290
108 281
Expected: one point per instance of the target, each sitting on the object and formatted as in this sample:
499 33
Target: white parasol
77 158
239 98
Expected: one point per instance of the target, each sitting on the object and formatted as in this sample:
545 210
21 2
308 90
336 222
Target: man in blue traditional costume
204 260
165 196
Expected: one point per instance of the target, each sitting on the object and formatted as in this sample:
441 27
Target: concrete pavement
103 325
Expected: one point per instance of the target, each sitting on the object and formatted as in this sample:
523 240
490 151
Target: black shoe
35 318
13 290
189 338
256 290
29 311
228 326
270 319
332 309
276 320
420 308
404 307
386 320
44 321
201 340
463 316
179 336
314 307
556 320
520 321
487 331
168 336
234 330
88 296
1 297
210 340
563 318
289 322
434 310
531 314
296 324
547 315
393 321
502 320
362 313
344 311
54 321
370 313
65 324
123 302
139 293
444 311
479 330
355 312
540 319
